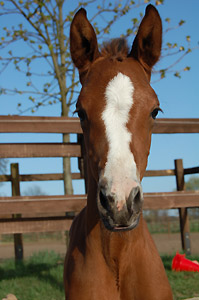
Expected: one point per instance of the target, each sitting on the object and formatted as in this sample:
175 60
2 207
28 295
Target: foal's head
117 108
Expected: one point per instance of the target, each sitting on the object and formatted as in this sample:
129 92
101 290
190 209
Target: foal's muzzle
123 215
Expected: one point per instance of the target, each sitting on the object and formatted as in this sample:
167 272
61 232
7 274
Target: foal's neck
92 217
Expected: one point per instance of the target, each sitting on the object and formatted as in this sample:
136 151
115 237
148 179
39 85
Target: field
40 277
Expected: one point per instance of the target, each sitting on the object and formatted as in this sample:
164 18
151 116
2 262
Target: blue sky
179 98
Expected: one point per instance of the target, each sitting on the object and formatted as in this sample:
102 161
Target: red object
181 263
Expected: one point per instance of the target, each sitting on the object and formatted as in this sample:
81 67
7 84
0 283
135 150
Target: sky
179 98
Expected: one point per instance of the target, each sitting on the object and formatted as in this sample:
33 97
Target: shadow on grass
45 266
167 261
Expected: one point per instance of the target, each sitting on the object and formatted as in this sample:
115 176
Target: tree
3 167
43 34
192 185
33 191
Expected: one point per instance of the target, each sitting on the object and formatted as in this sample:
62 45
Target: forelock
116 49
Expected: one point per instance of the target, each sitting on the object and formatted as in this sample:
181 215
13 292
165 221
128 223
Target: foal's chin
110 225
121 228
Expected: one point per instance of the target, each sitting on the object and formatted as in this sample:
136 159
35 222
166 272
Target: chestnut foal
111 254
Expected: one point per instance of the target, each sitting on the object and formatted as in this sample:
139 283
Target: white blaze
120 168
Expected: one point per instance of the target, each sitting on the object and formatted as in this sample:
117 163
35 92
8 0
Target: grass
34 237
40 277
171 226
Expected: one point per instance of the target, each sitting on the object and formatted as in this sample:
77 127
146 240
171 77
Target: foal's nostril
107 202
134 201
137 194
103 200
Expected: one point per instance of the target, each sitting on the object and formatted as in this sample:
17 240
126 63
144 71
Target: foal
111 255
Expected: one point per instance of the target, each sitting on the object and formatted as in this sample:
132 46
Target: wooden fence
13 209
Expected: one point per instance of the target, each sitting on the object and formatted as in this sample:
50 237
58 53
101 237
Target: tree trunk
68 187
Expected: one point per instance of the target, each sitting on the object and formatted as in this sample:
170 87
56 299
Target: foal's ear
148 41
83 43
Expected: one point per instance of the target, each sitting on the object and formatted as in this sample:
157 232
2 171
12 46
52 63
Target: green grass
171 227
40 277
33 237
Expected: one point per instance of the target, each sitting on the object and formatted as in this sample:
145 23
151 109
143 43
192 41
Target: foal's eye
81 114
155 112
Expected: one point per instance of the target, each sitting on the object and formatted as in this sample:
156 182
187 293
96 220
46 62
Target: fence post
183 213
18 240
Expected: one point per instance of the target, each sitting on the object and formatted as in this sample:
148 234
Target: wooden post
183 213
18 240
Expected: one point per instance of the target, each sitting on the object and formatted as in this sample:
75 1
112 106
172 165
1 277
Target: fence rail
39 150
74 203
59 176
40 177
24 124
176 126
39 224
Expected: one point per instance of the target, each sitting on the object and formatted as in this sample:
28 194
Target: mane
116 49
